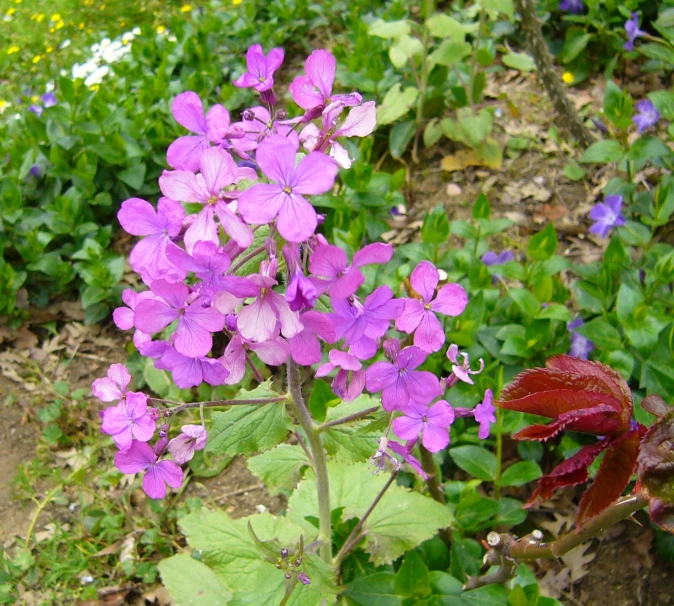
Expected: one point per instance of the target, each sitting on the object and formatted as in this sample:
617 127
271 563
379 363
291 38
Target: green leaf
627 301
617 105
476 461
573 171
481 208
543 245
525 301
405 49
520 61
320 399
413 579
520 473
603 334
192 583
396 103
134 176
228 548
245 429
436 228
389 29
647 148
159 380
603 152
400 521
450 53
489 595
400 136
374 590
660 52
279 468
664 101
432 132
575 43
443 26
473 511
501 6
443 583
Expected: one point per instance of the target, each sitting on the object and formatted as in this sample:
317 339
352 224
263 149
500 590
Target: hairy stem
243 260
356 535
256 373
428 465
354 417
549 77
506 548
318 455
180 406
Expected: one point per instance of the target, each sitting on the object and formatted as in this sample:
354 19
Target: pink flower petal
424 279
218 169
451 300
373 253
139 218
407 428
184 153
203 229
260 204
189 112
413 314
315 174
429 335
297 219
257 321
137 457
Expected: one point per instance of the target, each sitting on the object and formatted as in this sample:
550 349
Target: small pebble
87 579
453 190
260 508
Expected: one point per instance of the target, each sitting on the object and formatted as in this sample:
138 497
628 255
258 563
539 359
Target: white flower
49 87
65 44
97 76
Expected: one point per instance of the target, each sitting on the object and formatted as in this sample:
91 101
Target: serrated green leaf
400 521
279 468
192 583
245 429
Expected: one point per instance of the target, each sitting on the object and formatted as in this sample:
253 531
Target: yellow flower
35 98
94 87
81 26
37 58
3 104
56 17
49 49
60 24
568 77
18 1
11 11
39 17
13 49
185 8
236 2
160 29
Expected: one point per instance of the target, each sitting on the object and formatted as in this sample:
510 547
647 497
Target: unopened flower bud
230 322
284 553
160 446
268 96
163 430
248 114
281 114
288 575
298 562
600 125
303 578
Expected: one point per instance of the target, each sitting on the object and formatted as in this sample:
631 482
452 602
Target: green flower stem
318 455
180 406
499 453
354 417
426 42
356 535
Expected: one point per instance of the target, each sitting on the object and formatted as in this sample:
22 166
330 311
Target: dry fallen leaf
577 560
462 159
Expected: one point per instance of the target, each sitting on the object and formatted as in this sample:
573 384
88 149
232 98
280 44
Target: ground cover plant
407 413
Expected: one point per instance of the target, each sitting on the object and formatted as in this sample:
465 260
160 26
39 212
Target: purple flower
462 370
209 263
633 32
330 265
300 291
124 316
571 6
113 387
405 453
191 439
580 346
191 372
485 414
48 99
648 115
193 336
149 256
128 420
35 171
36 109
360 325
400 382
491 258
305 347
303 578
315 174
142 457
431 423
260 74
419 316
360 122
349 382
607 215
273 352
315 88
218 170
185 152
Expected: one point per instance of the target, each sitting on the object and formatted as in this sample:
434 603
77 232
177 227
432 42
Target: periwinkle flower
647 115
632 30
48 99
607 215
571 6
581 346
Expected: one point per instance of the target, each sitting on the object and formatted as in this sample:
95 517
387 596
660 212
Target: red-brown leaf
569 473
612 477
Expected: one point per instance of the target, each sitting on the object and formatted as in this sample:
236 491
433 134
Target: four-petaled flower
129 419
191 439
315 174
260 74
485 414
607 215
141 457
432 424
112 387
419 316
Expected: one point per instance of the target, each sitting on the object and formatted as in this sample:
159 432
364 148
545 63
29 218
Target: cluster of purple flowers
190 262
